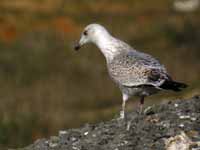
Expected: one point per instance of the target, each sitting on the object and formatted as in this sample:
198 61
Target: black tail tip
183 85
177 86
173 85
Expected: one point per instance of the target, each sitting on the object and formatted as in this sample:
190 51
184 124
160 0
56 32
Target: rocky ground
171 126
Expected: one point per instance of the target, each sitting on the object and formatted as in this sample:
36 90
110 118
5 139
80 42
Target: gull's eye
85 33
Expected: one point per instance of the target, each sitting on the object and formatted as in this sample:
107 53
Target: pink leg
141 104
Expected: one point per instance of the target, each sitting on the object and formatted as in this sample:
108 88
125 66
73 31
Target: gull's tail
173 85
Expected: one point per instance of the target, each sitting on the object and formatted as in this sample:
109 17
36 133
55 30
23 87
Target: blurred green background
45 86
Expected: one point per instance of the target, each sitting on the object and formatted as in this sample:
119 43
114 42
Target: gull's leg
122 112
141 105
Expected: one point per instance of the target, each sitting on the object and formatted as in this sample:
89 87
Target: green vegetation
46 86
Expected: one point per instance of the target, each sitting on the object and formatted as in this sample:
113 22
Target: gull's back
132 68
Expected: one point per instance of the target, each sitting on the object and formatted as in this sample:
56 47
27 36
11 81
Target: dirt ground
161 126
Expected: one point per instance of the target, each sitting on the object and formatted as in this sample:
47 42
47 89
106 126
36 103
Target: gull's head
92 33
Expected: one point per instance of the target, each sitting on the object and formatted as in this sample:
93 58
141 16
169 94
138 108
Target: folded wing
136 69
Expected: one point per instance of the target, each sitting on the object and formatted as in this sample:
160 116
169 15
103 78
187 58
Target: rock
170 126
182 142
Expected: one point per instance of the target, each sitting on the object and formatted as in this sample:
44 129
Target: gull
135 73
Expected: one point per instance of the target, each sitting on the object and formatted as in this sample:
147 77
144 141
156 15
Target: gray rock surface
150 131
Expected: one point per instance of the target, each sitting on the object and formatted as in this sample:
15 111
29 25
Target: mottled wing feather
134 69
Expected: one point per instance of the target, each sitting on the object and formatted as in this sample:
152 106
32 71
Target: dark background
45 86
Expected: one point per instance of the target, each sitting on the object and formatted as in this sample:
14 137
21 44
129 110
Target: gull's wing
134 69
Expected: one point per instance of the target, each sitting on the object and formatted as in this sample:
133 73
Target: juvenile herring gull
136 73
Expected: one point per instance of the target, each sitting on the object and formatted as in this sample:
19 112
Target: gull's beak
77 47
81 42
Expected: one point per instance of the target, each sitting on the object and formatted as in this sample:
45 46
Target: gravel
148 131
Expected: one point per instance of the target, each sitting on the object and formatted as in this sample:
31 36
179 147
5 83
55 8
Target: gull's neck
108 45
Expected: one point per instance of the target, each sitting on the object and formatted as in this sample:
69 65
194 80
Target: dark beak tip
77 47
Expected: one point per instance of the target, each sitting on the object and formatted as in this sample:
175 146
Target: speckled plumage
136 73
131 69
